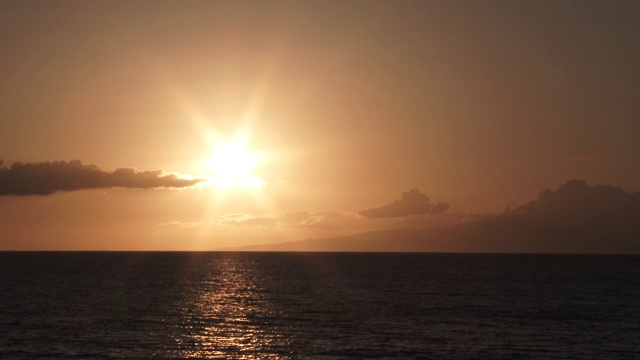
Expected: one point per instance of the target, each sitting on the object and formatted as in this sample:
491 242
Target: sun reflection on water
229 316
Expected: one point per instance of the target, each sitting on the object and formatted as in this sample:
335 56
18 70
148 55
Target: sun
231 165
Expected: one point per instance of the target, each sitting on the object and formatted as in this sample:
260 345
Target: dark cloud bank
47 178
575 218
412 202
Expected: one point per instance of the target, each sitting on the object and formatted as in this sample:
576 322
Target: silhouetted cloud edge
576 200
411 202
46 178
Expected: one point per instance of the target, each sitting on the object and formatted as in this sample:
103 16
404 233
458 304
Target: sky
194 125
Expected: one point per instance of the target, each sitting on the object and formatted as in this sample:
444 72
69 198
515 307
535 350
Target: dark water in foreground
318 306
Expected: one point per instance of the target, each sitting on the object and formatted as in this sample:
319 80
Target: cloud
334 220
412 202
575 218
183 225
47 178
284 219
327 219
575 200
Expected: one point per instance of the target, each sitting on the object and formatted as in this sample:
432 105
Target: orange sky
346 104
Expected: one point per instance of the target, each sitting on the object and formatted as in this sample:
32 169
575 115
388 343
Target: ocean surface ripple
63 305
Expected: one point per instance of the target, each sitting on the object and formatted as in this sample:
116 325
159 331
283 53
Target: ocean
128 305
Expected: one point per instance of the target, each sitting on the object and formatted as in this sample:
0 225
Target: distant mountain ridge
575 218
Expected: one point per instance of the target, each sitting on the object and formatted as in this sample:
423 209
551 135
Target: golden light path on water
228 314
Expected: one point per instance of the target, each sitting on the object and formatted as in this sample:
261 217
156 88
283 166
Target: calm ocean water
318 306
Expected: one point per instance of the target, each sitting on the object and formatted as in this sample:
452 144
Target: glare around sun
231 165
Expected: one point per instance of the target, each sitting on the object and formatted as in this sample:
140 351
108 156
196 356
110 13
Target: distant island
575 218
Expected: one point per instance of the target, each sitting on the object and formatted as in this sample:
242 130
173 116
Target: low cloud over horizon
325 220
576 200
46 178
411 202
576 218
